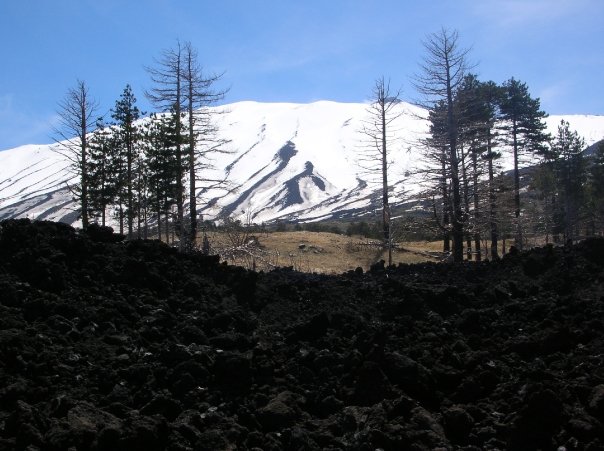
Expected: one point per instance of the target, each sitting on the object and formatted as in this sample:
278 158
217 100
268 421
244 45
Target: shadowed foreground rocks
112 345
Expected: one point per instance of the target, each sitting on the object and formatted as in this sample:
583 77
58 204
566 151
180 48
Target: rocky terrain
114 345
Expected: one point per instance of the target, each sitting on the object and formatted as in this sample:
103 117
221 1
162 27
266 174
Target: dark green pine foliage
166 95
478 111
161 141
544 180
595 192
125 114
471 118
567 149
141 188
438 143
491 94
524 129
443 69
102 176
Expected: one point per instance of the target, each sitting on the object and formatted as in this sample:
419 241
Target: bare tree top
77 117
443 66
76 112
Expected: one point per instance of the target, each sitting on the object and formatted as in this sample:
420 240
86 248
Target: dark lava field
114 345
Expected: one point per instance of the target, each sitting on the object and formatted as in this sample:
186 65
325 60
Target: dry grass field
319 252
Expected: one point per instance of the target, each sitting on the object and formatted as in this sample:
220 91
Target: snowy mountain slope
288 161
34 182
305 159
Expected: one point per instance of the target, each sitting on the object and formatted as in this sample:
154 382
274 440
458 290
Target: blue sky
288 50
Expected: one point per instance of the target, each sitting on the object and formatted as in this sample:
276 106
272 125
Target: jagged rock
124 353
162 405
458 424
596 401
280 412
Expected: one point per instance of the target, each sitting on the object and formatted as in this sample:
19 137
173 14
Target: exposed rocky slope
129 345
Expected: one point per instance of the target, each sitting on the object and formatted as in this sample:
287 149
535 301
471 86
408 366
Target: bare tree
185 91
77 118
442 71
378 133
168 96
202 139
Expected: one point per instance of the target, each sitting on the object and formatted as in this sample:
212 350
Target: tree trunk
103 204
103 197
556 219
167 215
84 164
130 212
180 207
121 215
446 207
457 219
476 205
466 199
139 208
192 175
385 204
158 212
492 201
518 237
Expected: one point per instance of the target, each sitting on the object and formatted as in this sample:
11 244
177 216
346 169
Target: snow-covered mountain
288 161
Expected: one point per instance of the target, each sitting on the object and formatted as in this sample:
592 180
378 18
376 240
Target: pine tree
153 145
595 191
161 140
470 125
567 149
524 128
444 68
544 180
478 111
436 172
491 95
168 95
126 113
101 173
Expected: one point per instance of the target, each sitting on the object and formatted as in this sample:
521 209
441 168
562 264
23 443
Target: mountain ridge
289 161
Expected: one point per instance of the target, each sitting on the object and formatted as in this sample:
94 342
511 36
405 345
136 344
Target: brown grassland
319 252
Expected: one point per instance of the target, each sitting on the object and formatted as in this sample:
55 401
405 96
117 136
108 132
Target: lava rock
133 345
